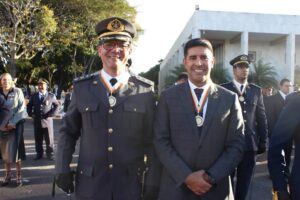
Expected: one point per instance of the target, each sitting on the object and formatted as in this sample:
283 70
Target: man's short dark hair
284 80
197 42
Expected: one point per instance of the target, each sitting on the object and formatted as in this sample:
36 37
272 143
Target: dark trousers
244 173
41 133
287 156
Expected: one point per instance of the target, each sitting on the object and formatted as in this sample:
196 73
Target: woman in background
11 137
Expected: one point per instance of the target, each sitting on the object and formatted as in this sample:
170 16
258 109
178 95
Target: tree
219 74
174 73
263 74
26 28
152 73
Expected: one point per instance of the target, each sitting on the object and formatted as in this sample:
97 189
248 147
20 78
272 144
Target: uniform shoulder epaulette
84 77
144 80
254 85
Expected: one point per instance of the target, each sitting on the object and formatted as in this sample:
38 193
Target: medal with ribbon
111 99
240 93
199 104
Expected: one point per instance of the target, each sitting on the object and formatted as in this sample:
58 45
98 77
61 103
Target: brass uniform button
110 166
110 130
110 111
110 149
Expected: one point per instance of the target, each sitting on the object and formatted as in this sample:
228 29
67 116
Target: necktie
241 88
113 81
42 97
198 93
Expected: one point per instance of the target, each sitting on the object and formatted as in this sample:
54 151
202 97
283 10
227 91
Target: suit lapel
185 96
212 108
126 90
99 90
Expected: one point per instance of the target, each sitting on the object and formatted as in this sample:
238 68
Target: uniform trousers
41 133
244 173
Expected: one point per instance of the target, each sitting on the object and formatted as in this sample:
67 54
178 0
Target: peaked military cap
240 59
115 28
42 80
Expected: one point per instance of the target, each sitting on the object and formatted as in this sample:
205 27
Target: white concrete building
273 38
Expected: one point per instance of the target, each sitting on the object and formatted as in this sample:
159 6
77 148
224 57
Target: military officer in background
112 112
286 129
42 106
251 101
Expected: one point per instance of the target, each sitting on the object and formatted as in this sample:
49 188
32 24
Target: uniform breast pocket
89 114
133 116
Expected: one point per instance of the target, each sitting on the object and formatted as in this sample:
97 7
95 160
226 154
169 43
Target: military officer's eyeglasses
116 44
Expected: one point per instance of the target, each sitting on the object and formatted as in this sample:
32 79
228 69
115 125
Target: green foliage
219 74
263 74
152 74
174 73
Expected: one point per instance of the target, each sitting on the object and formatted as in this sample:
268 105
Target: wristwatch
211 180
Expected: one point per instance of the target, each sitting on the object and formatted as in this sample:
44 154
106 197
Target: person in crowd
256 130
68 98
182 77
42 107
286 129
112 112
198 132
274 106
11 135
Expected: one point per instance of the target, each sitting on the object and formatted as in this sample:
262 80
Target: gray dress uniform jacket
182 150
113 140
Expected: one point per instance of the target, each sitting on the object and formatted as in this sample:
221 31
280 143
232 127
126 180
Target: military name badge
112 101
199 120
241 98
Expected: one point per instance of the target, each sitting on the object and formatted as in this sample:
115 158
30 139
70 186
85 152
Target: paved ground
38 176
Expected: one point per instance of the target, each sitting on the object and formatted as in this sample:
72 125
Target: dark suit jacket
182 150
254 115
286 129
4 113
67 101
113 140
42 109
273 105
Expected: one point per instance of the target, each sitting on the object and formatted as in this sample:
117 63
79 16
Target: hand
44 116
11 126
281 195
261 148
65 182
195 182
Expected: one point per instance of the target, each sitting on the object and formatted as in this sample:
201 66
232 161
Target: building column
244 42
290 56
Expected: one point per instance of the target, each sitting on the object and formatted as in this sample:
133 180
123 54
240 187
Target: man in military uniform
112 112
286 129
251 101
42 106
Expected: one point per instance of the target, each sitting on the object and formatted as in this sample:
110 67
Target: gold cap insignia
244 58
115 26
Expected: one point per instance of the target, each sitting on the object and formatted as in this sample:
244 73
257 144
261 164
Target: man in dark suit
42 107
286 129
68 98
251 101
274 106
112 112
198 137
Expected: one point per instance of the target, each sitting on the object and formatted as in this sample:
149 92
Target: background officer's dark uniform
42 109
255 134
286 129
4 113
